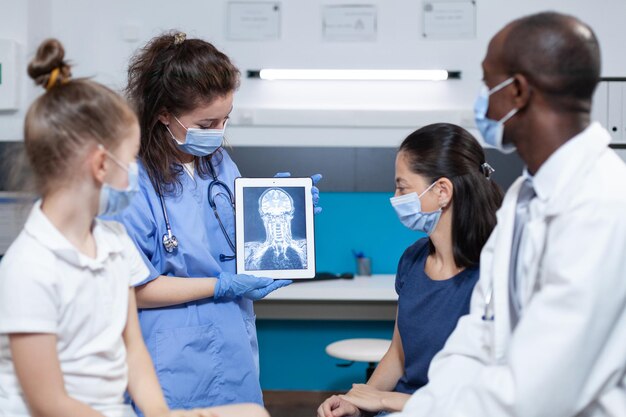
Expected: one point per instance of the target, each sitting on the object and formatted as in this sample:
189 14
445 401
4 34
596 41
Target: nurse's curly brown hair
174 74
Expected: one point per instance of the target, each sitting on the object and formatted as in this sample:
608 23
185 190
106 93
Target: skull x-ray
274 228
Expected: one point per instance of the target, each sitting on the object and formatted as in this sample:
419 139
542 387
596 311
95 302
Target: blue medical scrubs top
428 312
205 352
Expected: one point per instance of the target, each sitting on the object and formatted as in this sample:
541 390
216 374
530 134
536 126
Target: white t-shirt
190 169
48 286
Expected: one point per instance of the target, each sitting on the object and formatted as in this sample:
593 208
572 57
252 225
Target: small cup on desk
363 266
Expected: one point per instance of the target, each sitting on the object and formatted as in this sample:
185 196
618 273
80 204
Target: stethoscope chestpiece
170 243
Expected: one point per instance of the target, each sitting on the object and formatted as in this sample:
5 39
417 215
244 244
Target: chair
359 350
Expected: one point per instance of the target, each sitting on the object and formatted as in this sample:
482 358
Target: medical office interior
347 130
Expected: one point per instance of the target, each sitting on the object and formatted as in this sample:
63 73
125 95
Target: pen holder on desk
364 266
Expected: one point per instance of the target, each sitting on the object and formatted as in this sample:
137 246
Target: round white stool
359 350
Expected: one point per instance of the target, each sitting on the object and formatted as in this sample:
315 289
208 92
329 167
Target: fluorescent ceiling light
359 74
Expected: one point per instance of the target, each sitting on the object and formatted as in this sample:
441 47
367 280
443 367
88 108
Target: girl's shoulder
113 235
26 253
111 228
35 247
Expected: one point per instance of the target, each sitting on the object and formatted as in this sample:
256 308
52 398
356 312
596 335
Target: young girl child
70 343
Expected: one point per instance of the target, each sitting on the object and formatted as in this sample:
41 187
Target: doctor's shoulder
602 188
612 171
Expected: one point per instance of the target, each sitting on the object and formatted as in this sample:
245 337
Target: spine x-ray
275 228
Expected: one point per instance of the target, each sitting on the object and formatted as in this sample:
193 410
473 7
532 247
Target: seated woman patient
443 189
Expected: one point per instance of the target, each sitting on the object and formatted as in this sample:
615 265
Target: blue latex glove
262 292
315 192
231 286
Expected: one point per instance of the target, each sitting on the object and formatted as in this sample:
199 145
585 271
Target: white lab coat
567 355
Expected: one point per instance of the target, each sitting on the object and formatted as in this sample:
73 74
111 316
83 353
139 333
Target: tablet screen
274 224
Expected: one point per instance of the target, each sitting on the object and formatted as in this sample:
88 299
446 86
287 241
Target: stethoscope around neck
488 314
169 240
225 191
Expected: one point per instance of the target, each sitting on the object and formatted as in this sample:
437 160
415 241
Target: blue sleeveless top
428 312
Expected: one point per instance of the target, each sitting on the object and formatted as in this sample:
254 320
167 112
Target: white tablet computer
275 235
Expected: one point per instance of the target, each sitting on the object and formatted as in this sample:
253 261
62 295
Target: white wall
92 32
27 22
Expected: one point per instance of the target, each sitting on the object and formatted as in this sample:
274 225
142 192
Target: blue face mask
113 200
200 142
492 130
409 210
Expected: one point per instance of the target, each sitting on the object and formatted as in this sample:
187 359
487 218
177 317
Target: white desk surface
360 288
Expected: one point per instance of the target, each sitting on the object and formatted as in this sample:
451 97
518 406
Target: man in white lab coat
546 335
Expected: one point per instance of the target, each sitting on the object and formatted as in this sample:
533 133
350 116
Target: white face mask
492 130
200 142
408 207
113 200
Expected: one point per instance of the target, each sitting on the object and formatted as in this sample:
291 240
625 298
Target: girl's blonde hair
72 115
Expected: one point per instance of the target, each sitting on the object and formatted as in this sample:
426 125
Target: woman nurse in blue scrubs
196 314
444 190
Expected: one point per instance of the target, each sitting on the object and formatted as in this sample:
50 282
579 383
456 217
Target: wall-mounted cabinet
9 74
334 127
609 108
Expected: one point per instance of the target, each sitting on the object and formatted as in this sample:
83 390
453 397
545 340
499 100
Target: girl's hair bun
48 68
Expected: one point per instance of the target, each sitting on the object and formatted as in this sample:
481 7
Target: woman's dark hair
444 150
176 75
71 116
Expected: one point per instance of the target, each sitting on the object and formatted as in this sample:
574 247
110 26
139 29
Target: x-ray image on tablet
275 228
275 236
